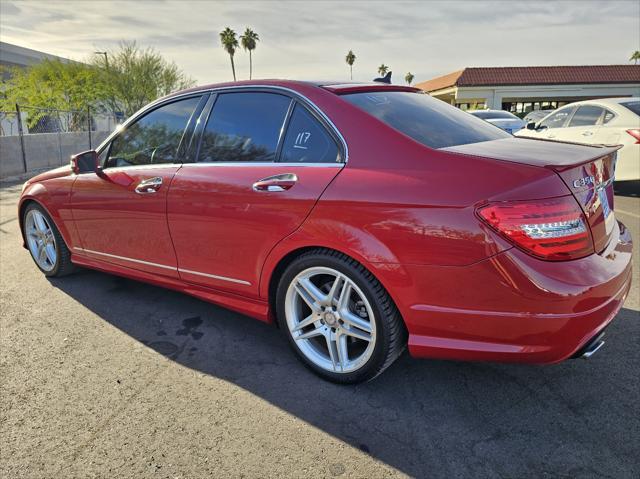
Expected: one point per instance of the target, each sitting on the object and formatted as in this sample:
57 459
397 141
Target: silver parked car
536 115
500 118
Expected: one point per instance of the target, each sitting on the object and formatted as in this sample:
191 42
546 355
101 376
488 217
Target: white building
522 89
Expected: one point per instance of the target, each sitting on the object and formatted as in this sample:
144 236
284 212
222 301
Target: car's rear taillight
636 134
553 229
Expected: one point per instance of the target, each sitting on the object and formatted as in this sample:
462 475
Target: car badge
587 180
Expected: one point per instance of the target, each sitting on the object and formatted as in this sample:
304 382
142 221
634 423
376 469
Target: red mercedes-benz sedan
361 218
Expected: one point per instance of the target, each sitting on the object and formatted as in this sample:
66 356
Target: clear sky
309 40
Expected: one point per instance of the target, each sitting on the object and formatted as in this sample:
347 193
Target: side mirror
85 162
531 125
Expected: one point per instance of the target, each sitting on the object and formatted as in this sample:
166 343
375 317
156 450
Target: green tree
229 43
53 84
350 59
134 76
249 40
635 57
383 69
409 78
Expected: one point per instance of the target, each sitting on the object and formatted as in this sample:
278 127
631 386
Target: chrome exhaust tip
591 350
591 347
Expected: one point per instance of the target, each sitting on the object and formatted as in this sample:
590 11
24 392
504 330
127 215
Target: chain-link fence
33 138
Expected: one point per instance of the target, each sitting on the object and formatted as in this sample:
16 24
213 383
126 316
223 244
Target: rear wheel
47 248
338 318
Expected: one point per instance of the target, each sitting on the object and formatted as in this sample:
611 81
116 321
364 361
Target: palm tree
229 43
350 59
409 78
249 40
635 57
383 69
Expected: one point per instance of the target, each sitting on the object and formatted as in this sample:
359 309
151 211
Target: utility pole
106 68
106 58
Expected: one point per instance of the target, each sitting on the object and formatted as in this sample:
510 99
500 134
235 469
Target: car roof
606 101
338 87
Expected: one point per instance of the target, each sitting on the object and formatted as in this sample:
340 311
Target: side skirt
250 307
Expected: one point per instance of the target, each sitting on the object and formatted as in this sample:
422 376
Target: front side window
307 141
427 120
244 127
586 115
154 138
557 119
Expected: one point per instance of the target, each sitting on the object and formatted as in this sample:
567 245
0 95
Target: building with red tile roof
521 89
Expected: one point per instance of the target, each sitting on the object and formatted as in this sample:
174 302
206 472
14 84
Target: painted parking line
635 215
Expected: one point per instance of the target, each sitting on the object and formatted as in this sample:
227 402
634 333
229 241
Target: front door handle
150 185
587 133
276 183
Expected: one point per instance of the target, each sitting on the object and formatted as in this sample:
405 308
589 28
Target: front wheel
47 248
338 318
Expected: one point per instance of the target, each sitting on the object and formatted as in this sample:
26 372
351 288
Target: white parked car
500 118
610 121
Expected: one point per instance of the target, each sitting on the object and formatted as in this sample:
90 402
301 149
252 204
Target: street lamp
106 58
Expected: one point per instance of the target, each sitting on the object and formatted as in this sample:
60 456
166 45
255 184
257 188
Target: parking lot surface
107 377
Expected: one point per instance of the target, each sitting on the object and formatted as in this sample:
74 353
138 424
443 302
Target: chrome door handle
150 185
587 133
276 183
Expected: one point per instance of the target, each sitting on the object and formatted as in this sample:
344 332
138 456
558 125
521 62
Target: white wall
497 94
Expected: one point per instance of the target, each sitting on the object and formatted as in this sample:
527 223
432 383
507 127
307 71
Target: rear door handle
150 185
276 183
587 133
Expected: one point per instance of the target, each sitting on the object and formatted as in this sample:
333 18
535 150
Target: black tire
391 338
63 265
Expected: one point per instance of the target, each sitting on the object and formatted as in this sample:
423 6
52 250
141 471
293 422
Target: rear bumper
515 308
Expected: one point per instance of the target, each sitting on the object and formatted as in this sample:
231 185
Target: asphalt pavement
106 377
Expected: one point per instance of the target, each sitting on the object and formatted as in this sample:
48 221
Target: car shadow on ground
627 188
425 418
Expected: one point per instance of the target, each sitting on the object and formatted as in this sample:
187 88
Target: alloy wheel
330 319
41 240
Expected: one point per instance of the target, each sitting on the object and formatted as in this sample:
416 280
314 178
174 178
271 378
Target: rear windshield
634 106
427 120
491 115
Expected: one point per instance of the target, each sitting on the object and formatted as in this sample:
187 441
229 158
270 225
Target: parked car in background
536 115
362 218
610 121
502 119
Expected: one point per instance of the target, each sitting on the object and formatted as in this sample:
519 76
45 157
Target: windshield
634 106
493 115
427 120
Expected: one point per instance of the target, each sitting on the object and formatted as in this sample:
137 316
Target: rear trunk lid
587 171
592 185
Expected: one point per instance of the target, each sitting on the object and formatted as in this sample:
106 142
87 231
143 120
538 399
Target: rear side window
154 138
634 106
244 127
307 141
608 116
586 115
427 120
493 115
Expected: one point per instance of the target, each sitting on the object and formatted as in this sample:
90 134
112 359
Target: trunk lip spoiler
606 150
